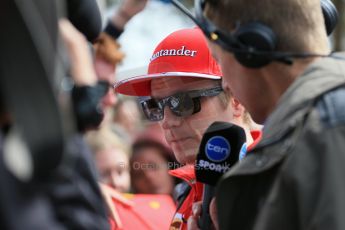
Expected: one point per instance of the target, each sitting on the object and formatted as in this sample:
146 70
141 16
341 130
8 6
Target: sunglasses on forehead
181 104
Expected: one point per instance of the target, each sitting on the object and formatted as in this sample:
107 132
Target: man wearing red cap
183 92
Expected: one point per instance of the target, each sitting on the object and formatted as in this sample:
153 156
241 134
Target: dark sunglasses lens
103 87
152 110
105 84
181 105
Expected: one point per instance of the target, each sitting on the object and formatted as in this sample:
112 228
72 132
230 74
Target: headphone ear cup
330 15
255 36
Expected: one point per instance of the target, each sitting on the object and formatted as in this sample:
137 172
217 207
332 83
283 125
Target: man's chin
186 156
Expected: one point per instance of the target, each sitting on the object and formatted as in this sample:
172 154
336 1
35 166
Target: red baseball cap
183 53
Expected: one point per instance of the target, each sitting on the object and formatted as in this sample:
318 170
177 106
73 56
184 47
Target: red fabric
147 212
186 173
257 136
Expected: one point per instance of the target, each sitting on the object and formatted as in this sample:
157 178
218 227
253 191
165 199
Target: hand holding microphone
219 150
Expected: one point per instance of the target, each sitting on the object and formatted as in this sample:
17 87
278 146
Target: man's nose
109 99
150 173
170 119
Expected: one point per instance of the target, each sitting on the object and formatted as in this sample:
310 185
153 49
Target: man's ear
238 109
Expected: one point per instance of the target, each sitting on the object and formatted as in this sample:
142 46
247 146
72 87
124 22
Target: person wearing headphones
182 91
275 60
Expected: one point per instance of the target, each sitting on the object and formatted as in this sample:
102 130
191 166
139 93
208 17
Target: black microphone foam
220 149
86 17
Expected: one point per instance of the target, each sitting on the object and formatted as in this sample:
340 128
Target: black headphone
253 44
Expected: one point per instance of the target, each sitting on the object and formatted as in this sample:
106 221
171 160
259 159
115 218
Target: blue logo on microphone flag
217 149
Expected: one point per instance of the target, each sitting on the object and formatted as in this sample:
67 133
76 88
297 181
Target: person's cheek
127 181
109 99
104 70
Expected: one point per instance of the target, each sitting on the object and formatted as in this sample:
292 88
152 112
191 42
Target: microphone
222 145
86 17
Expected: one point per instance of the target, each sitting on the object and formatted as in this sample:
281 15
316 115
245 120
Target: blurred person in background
107 51
93 81
145 31
126 210
111 158
107 47
127 119
150 162
77 177
107 56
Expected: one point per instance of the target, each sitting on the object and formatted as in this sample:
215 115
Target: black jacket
68 199
74 191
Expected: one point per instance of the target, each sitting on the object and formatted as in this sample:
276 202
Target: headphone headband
254 43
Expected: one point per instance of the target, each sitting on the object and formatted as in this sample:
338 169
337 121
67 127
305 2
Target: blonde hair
104 139
225 99
298 24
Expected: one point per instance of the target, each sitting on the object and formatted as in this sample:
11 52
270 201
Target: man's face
149 171
184 134
113 167
244 83
109 99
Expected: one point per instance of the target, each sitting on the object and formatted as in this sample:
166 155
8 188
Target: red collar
257 135
186 173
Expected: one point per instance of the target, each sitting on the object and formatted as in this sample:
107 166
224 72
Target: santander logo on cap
183 51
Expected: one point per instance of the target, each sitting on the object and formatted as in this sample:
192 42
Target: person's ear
237 107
